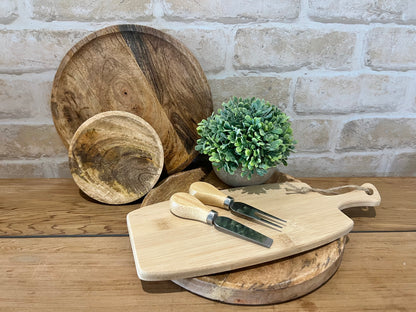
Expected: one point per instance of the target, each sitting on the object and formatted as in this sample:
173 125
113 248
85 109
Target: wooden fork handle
208 194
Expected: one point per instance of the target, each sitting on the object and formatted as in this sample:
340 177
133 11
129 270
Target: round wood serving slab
140 70
115 157
272 282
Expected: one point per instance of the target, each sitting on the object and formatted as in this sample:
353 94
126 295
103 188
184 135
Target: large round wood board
115 157
268 283
140 70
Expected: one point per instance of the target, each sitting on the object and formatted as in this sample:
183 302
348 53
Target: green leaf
246 132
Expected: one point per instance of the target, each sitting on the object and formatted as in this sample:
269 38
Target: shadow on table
161 287
92 200
356 212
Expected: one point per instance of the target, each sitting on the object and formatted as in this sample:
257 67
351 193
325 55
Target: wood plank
378 273
56 207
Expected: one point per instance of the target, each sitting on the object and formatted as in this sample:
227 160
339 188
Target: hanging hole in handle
369 191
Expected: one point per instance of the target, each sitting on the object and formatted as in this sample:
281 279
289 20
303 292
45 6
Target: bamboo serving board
140 70
167 247
271 282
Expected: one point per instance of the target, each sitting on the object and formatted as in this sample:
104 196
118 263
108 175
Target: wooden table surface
60 251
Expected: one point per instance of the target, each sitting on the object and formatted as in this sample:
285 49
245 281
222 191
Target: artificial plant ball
247 133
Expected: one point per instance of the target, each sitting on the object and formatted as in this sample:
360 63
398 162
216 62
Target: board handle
209 194
358 198
186 206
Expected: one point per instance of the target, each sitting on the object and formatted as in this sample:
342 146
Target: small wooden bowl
115 157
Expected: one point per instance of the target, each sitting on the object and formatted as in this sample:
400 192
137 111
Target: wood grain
178 182
168 247
140 70
115 157
378 273
56 207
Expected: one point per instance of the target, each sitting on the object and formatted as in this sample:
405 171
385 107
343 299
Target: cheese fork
210 195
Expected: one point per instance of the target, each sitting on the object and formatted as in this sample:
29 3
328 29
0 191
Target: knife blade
187 206
210 195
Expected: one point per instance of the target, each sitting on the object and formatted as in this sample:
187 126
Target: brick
19 170
404 165
312 135
30 142
209 46
277 49
45 168
347 165
363 11
272 89
8 11
25 96
35 50
391 49
349 94
78 10
378 133
233 10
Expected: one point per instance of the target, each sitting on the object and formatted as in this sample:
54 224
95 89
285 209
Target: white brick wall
344 70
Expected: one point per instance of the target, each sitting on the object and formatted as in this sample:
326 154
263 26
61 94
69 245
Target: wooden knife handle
186 206
208 194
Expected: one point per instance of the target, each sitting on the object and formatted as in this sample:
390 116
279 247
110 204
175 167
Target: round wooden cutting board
115 157
272 282
140 70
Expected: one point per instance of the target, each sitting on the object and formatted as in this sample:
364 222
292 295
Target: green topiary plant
248 133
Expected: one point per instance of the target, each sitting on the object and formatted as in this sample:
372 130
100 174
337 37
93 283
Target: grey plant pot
237 180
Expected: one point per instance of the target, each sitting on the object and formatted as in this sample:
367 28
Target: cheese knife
187 206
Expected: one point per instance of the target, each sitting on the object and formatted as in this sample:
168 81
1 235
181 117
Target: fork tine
256 214
263 213
268 222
